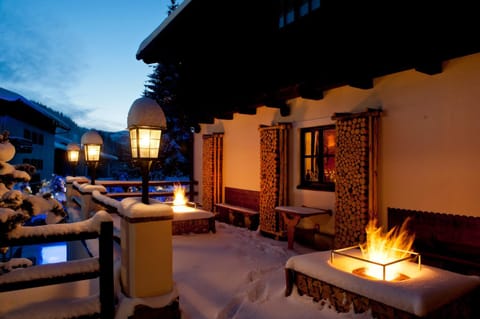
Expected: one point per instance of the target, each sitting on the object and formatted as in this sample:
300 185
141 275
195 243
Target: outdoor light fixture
145 122
73 152
92 143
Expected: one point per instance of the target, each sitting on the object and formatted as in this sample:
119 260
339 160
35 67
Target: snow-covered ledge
85 191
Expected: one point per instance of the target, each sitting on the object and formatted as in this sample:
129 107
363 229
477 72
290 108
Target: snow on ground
238 273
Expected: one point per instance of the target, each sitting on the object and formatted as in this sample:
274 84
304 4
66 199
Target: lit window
292 10
317 162
303 10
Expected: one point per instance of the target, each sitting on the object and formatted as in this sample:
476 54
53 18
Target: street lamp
92 143
73 152
145 122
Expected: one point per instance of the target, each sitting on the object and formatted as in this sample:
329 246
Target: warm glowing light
384 248
73 156
73 153
92 152
179 198
145 142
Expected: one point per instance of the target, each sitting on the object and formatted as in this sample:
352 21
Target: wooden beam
361 83
310 92
429 67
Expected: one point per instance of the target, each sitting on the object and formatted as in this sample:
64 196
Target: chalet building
348 106
32 131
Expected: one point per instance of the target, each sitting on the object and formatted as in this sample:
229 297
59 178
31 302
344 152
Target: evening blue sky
78 56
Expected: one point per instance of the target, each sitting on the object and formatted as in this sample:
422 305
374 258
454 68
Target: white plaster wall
429 139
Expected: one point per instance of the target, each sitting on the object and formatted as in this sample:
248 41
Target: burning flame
179 198
384 248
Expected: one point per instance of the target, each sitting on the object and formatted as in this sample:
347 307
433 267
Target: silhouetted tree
174 159
162 86
172 6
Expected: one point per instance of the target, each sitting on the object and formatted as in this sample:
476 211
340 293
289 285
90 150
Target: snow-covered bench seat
97 304
430 292
240 208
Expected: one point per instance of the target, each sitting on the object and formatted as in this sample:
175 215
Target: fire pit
370 269
380 276
187 217
427 292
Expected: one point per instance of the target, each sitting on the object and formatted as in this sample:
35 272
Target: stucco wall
429 139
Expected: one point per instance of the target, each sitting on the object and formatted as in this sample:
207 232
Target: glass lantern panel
72 156
92 152
149 142
133 143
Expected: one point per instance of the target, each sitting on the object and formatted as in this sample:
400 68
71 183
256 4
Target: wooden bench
101 305
443 240
240 208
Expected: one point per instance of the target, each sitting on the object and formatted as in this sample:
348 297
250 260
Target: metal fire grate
344 252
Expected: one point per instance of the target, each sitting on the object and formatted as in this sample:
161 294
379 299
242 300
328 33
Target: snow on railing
91 225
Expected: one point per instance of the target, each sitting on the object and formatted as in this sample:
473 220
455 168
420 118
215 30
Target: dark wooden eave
233 58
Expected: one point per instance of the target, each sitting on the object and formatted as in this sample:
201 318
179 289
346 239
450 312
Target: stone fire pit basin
425 291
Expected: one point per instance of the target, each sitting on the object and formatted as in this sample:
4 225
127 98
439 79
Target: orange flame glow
179 198
384 248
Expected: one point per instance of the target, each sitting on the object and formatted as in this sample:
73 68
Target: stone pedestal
146 242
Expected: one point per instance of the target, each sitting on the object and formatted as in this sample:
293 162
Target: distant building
32 131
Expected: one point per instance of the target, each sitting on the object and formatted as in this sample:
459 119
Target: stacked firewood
268 180
352 172
346 301
212 170
274 177
207 171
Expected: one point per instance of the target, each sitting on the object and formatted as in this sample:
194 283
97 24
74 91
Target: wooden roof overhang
233 58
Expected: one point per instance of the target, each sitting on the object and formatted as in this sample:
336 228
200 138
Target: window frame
322 184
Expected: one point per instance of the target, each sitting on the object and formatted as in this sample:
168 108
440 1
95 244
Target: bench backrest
242 197
454 239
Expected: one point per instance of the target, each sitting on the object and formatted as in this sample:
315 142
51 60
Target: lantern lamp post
73 152
92 143
145 122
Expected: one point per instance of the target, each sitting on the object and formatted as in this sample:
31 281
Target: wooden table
292 214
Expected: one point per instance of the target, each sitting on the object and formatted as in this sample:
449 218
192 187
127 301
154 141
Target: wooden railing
95 306
164 188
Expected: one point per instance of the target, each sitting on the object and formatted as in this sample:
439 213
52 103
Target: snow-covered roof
10 96
162 26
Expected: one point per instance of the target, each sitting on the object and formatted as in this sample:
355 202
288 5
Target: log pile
355 164
344 301
273 178
212 173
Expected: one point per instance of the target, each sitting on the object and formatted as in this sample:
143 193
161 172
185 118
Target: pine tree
172 6
174 159
162 86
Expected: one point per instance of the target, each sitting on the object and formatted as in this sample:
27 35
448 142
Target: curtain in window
212 170
273 177
356 175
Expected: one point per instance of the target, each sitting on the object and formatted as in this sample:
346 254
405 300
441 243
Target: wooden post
105 242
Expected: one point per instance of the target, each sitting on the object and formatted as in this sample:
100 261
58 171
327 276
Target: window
317 162
291 10
36 138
